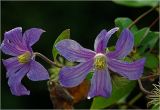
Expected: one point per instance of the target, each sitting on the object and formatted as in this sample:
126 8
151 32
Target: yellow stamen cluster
24 58
100 61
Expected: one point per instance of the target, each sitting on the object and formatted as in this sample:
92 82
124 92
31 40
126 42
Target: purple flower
99 62
22 62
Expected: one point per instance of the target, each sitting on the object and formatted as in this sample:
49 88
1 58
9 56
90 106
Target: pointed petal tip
38 29
116 28
32 35
14 29
103 30
41 30
21 94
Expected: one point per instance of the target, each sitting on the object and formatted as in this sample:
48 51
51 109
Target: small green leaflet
149 41
121 88
64 35
151 61
123 22
140 35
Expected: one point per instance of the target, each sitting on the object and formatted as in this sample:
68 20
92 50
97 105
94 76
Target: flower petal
8 49
12 43
101 84
124 45
31 36
102 40
99 44
37 72
14 82
132 71
73 51
12 65
14 35
73 76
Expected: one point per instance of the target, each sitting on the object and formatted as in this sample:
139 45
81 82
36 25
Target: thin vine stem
149 76
142 88
141 16
47 60
154 22
131 102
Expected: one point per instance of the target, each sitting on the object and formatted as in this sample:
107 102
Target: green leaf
127 59
121 88
137 3
140 35
151 61
112 48
89 76
149 41
123 22
64 35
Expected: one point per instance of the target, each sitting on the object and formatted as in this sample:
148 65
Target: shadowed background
84 19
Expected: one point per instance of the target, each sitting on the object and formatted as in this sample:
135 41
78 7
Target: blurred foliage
152 61
124 23
140 35
149 42
137 3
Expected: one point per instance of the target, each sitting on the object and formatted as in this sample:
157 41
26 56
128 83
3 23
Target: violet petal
31 36
73 51
73 76
14 36
13 41
37 72
124 45
7 50
99 44
12 65
100 84
14 82
102 40
132 71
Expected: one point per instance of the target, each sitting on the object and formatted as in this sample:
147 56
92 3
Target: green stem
141 16
47 60
131 102
142 88
154 22
149 76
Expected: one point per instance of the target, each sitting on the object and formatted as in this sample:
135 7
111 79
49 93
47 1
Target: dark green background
85 19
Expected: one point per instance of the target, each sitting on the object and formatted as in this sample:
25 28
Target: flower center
24 58
100 61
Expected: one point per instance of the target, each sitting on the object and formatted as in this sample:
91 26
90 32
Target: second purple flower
99 61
